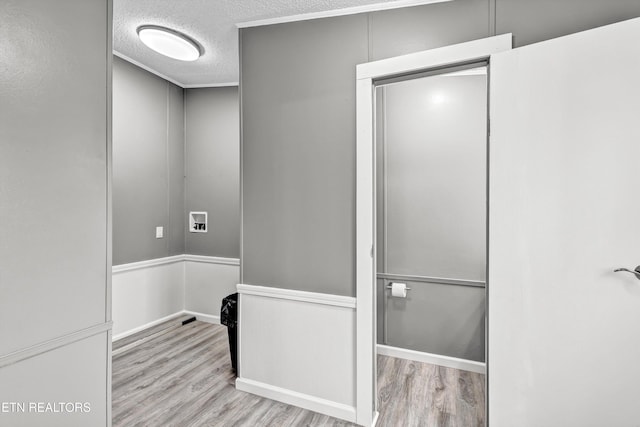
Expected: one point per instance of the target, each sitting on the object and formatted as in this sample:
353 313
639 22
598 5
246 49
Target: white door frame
366 75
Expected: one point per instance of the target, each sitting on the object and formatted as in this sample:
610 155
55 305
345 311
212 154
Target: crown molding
338 12
167 78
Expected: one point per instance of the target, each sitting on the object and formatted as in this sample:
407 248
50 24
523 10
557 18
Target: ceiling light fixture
170 42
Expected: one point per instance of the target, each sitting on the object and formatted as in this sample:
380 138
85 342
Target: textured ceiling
210 22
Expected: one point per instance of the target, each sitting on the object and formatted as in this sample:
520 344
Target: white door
564 212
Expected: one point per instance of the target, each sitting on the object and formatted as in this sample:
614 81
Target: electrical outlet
159 232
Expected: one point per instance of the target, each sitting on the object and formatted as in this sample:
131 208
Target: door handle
635 272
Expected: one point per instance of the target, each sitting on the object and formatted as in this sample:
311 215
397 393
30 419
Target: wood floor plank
181 376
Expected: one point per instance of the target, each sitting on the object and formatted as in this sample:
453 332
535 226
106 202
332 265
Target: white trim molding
301 400
304 296
365 249
212 259
210 85
476 50
339 12
147 68
169 79
146 326
171 259
37 349
366 75
121 268
203 317
434 359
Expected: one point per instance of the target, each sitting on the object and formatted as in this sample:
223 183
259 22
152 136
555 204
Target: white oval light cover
169 43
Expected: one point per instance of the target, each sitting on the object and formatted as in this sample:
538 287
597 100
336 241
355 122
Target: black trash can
229 318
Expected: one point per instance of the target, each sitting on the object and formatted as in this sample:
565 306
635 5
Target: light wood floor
420 394
174 375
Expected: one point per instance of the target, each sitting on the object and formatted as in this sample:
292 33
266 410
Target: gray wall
174 151
148 165
434 166
54 151
436 318
534 21
298 98
298 124
407 30
298 106
212 132
431 195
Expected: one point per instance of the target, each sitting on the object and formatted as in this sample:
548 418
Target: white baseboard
434 359
301 400
147 325
203 317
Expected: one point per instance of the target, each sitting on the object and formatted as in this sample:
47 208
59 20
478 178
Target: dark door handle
635 272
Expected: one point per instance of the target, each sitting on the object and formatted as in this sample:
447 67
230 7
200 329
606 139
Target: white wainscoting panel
144 295
207 281
150 292
299 348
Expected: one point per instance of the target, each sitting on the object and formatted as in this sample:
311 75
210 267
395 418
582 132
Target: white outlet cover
159 232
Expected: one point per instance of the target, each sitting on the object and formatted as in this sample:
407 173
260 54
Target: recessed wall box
197 222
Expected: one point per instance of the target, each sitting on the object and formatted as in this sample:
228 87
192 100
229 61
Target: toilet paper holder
389 287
